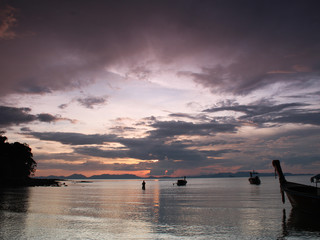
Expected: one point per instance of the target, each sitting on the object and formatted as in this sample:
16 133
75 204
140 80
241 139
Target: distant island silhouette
132 176
18 165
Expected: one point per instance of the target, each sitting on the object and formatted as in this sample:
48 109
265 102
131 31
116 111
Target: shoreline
31 182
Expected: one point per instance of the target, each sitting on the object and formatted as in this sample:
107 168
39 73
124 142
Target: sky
162 88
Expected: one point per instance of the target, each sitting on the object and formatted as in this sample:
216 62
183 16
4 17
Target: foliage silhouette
17 162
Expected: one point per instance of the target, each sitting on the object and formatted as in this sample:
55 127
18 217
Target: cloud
236 45
25 129
301 118
169 155
242 78
32 88
187 154
15 116
256 109
74 138
11 116
63 106
173 144
176 128
188 116
90 102
45 117
266 112
7 21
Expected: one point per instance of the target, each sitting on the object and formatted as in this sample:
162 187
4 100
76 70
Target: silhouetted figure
143 185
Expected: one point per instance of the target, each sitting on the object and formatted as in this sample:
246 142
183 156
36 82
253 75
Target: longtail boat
182 182
302 197
254 178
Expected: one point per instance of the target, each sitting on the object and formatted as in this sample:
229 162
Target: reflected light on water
120 209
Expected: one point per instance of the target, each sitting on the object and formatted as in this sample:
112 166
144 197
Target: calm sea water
217 208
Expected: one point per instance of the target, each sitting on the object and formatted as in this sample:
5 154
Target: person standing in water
143 185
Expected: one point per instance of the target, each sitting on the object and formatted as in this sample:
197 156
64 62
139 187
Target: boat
182 182
254 178
315 179
302 197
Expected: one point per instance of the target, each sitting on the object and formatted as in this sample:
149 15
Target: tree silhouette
17 164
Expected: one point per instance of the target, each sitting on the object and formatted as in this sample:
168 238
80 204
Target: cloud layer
238 46
162 86
15 116
190 145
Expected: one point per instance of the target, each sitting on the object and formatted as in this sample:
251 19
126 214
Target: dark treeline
17 164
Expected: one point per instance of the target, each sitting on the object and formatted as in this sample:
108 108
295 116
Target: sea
206 208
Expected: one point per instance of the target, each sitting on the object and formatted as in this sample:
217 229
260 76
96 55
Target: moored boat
303 197
182 182
254 178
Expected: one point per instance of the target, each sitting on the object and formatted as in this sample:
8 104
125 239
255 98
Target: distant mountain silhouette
110 176
132 176
77 176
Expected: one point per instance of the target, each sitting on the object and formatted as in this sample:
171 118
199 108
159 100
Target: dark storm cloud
52 45
15 116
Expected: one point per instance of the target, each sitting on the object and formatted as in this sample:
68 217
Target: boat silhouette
303 197
182 182
254 178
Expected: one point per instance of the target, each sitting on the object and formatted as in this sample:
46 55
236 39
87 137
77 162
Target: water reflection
299 223
14 203
14 199
205 209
